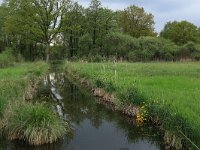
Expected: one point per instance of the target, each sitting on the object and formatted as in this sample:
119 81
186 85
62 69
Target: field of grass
168 90
20 119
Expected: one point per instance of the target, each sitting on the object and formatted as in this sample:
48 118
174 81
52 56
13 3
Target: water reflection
96 127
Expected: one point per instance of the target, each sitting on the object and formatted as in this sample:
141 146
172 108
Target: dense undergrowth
169 91
7 58
26 120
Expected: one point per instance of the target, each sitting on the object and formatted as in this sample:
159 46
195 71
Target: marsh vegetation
117 53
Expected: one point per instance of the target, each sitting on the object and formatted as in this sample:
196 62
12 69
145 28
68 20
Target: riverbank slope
21 118
168 91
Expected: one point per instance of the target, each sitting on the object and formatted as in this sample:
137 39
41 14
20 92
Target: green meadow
168 90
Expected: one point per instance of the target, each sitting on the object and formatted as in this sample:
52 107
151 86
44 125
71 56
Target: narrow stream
95 126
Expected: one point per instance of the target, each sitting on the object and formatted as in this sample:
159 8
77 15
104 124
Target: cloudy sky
163 10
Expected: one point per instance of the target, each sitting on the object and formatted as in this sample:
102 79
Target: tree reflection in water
95 125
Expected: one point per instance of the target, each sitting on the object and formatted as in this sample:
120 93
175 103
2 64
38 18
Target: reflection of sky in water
106 137
96 128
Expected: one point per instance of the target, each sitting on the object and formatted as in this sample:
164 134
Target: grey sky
163 10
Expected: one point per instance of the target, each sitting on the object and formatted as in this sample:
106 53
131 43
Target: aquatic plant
36 123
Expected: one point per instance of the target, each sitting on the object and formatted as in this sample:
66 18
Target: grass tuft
36 123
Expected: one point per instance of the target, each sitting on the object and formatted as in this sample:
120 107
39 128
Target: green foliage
169 90
85 43
37 29
3 104
133 56
99 84
73 27
189 50
180 32
57 52
196 55
119 44
95 58
3 15
153 48
100 22
35 123
14 82
7 58
136 22
141 49
131 95
36 20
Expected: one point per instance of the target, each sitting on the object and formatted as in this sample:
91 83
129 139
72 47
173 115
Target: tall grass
35 123
170 91
14 82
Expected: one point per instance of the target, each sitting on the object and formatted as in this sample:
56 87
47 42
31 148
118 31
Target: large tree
3 14
99 22
94 19
136 22
37 20
73 27
180 32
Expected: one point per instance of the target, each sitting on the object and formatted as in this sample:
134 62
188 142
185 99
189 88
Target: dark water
95 126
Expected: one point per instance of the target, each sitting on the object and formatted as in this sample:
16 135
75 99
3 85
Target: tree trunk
94 37
47 52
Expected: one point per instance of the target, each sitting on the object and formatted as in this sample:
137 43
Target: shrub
57 52
35 123
186 51
168 56
154 48
6 58
141 49
85 45
195 56
95 58
132 56
119 44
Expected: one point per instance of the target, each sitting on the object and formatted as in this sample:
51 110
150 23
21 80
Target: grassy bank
168 90
21 119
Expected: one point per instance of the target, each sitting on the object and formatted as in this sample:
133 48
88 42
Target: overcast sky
163 10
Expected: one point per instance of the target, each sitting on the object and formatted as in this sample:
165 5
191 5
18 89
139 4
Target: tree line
58 29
